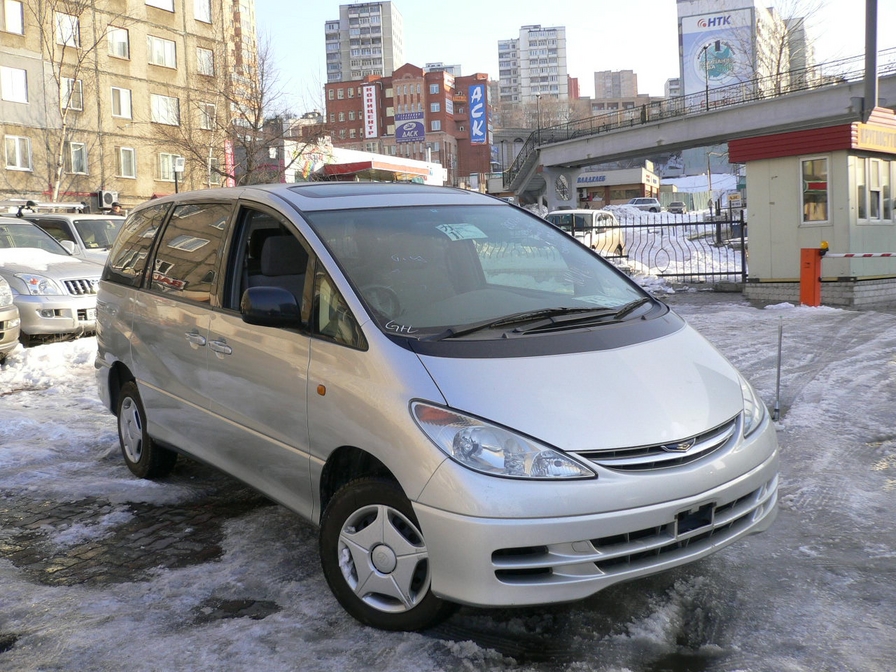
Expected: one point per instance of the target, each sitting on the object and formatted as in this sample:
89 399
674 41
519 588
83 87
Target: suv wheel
375 560
143 457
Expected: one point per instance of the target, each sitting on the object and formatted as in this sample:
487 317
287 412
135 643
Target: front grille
81 287
665 455
689 533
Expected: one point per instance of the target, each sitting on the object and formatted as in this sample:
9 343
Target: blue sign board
410 127
478 114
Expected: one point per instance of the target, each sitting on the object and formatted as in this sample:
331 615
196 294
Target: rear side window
127 260
186 261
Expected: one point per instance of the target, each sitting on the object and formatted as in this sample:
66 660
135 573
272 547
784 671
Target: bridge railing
821 75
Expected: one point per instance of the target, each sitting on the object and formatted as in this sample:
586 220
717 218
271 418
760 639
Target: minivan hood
41 262
665 389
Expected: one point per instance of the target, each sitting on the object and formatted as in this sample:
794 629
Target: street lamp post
538 115
705 53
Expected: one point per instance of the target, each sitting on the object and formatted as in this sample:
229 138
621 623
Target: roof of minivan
310 196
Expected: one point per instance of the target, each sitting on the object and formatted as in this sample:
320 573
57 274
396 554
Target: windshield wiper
514 318
559 322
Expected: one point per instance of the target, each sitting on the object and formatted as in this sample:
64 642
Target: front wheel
143 457
375 560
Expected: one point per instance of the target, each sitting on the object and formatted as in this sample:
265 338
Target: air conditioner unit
105 199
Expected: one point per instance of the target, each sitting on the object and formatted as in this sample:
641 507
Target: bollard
810 274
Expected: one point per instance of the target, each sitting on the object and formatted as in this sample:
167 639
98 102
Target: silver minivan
473 406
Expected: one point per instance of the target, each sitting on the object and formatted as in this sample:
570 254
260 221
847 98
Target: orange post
810 276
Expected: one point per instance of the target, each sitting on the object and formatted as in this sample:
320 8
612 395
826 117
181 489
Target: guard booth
833 184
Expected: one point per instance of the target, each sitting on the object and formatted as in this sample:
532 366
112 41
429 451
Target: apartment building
533 65
121 100
427 116
367 39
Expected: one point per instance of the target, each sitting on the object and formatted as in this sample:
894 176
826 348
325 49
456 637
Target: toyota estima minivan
473 406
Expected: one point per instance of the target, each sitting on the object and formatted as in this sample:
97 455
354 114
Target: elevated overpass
698 120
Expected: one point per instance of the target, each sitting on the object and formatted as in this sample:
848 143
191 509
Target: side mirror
270 307
69 246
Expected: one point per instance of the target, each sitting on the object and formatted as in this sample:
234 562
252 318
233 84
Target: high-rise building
94 102
533 65
615 84
366 39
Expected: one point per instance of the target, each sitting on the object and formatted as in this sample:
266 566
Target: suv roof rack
22 205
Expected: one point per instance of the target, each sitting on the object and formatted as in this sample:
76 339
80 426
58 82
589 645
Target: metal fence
693 249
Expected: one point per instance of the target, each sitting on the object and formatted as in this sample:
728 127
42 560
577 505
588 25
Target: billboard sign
716 50
410 127
371 127
478 114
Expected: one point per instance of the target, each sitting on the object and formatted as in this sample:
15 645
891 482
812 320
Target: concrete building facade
533 64
367 39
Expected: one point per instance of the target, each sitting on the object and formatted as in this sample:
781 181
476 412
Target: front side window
71 94
127 162
165 110
121 102
13 85
187 257
127 260
77 158
205 61
119 44
162 52
18 152
68 30
815 190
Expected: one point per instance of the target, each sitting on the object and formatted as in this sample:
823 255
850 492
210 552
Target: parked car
646 204
9 321
598 229
473 407
92 235
677 208
54 292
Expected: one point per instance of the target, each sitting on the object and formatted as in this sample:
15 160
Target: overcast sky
639 35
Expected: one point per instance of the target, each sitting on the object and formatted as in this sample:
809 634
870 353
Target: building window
76 158
68 30
815 190
13 85
206 116
202 10
121 102
332 117
18 152
340 94
330 94
433 88
351 92
127 162
167 5
161 52
342 116
873 190
351 115
119 44
352 133
13 18
166 166
71 95
205 61
435 125
435 107
214 171
165 110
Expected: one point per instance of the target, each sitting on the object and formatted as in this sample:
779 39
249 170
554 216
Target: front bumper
9 328
42 315
494 562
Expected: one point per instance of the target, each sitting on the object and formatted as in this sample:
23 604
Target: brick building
427 116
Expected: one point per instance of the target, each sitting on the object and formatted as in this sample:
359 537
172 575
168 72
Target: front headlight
491 449
754 408
38 285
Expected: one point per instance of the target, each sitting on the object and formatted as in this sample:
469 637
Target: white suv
646 204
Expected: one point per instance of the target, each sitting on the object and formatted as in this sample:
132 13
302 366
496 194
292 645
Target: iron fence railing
686 249
831 73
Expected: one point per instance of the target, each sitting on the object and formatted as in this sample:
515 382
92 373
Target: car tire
143 456
375 560
653 210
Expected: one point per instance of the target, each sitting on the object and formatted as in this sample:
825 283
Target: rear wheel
143 457
375 560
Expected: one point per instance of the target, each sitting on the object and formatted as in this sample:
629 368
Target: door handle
220 348
195 339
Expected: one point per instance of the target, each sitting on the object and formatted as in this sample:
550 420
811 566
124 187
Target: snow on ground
816 592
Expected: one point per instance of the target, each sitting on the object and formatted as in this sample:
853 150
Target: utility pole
871 87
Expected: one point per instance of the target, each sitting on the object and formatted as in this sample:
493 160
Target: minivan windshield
447 271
